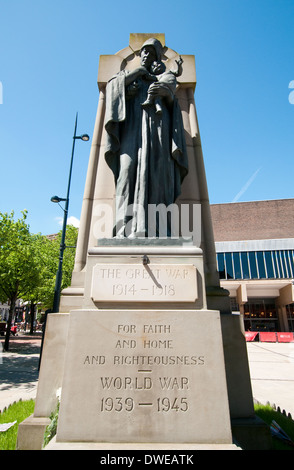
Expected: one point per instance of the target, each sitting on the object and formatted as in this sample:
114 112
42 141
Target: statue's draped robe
145 151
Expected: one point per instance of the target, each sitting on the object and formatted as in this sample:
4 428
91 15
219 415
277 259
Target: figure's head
150 51
157 67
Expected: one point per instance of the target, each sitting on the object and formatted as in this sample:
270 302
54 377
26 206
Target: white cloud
73 221
70 221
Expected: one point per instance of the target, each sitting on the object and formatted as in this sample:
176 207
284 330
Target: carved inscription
143 283
150 353
139 375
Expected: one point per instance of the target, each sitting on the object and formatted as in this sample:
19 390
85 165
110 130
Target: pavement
19 368
271 370
272 374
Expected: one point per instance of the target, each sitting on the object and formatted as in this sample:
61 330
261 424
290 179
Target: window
253 266
290 315
229 266
276 264
261 315
269 265
234 304
279 262
256 264
221 265
237 266
260 264
287 262
291 259
245 265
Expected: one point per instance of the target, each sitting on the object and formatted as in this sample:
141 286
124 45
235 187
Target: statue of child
168 77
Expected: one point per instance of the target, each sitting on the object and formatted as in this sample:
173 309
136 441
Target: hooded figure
145 151
157 46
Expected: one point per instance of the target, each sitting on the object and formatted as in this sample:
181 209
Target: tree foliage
19 270
29 262
49 254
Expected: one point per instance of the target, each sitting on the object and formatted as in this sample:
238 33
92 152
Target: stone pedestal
149 376
144 358
31 433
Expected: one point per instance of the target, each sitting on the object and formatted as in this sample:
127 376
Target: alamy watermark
163 221
1 93
291 94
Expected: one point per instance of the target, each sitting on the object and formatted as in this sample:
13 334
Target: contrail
246 186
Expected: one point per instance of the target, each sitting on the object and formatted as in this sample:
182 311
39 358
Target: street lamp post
57 289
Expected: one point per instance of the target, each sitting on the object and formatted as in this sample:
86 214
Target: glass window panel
291 257
284 263
286 255
269 264
234 304
245 265
281 264
252 262
229 266
291 272
221 265
261 266
290 315
275 264
237 265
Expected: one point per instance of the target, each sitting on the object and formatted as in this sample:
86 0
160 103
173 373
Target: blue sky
49 56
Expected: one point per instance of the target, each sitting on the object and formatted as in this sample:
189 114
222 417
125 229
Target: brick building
255 258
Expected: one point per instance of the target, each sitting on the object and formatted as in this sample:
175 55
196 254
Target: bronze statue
145 144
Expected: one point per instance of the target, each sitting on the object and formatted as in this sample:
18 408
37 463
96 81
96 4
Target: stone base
114 446
237 367
252 433
125 360
31 433
52 364
144 376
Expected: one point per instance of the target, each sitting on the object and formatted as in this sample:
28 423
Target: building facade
4 311
255 259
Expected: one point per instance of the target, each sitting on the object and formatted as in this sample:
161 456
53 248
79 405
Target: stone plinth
140 348
31 433
149 376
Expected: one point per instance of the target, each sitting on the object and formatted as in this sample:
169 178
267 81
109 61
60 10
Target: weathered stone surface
138 282
144 376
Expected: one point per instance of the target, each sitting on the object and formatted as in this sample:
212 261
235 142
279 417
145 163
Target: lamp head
57 199
83 137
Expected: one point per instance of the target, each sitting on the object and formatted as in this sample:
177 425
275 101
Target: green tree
19 268
35 294
28 265
49 257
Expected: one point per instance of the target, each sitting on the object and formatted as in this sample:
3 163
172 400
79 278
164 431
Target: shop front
261 315
290 316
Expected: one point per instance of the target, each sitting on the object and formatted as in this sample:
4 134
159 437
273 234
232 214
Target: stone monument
145 349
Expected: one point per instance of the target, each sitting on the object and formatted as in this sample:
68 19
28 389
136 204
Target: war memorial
145 352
